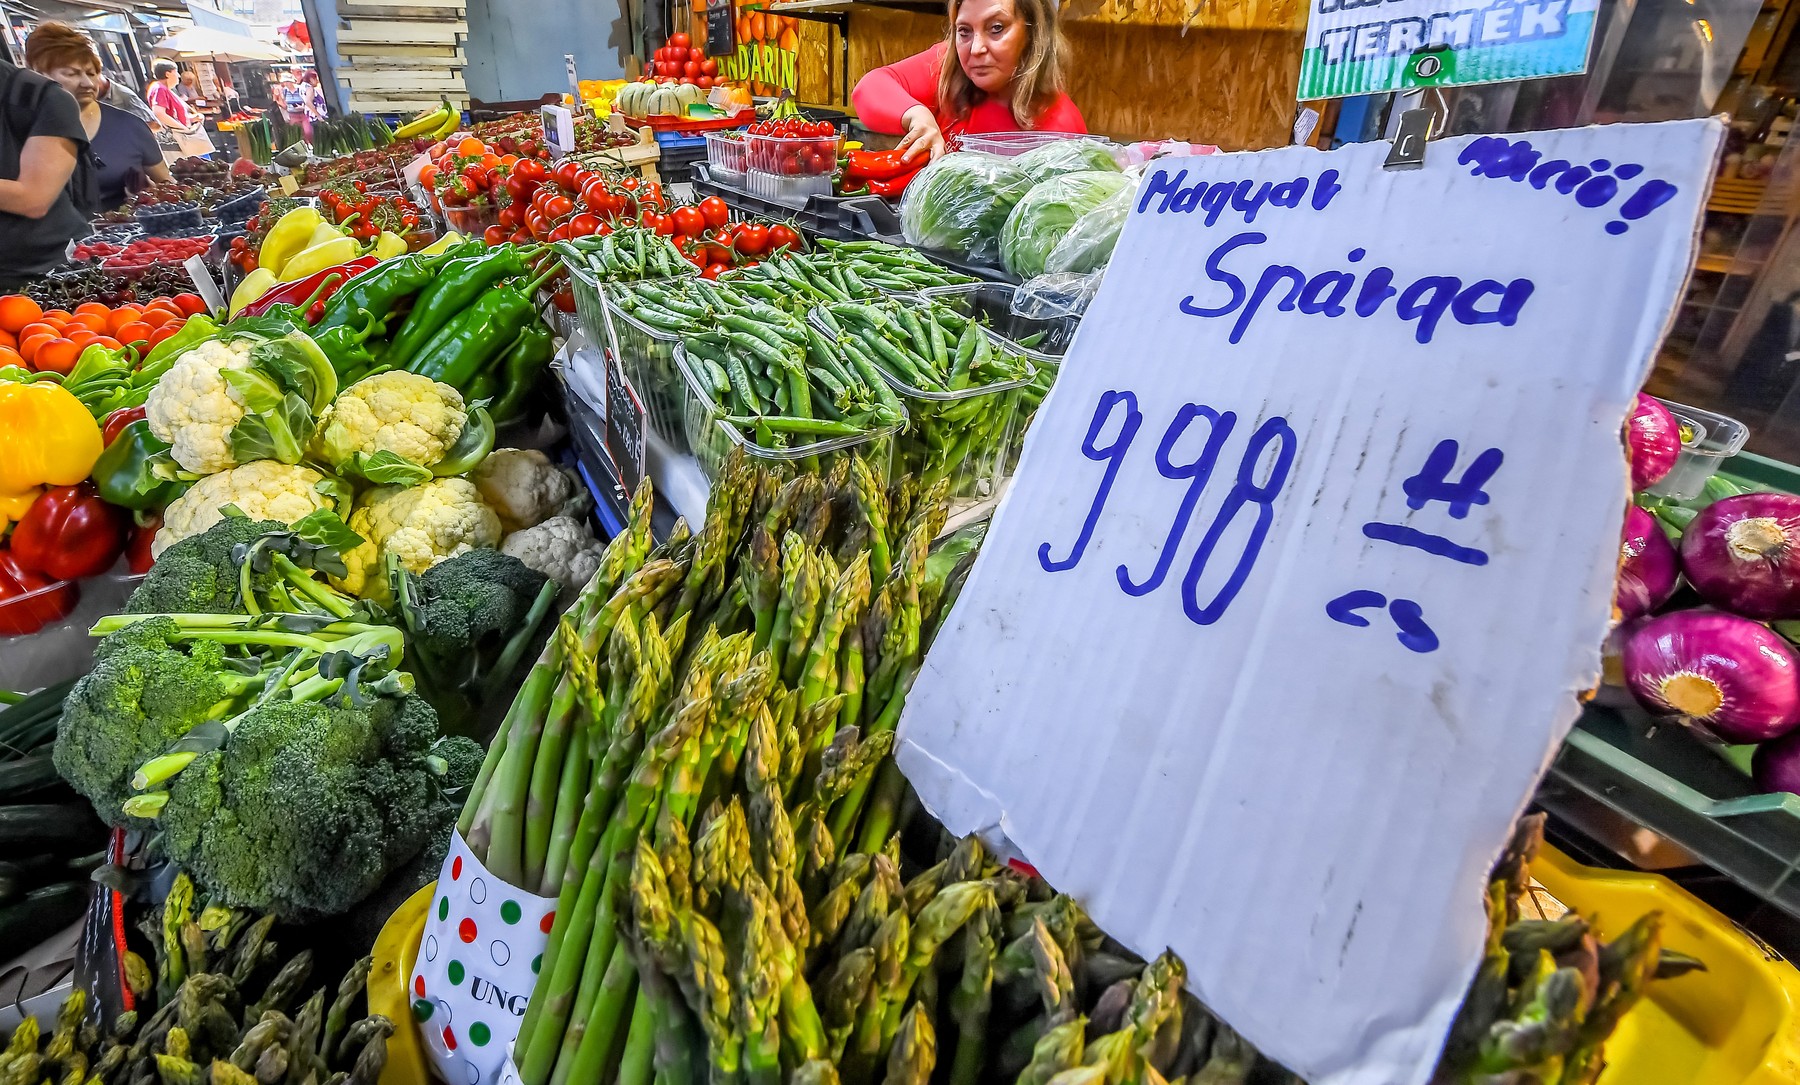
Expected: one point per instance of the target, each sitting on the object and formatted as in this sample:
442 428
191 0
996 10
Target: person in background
119 95
171 112
42 148
1000 70
292 100
314 96
127 154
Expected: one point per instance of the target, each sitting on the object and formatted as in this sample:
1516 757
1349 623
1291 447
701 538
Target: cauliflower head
263 489
525 488
561 548
194 410
421 525
407 414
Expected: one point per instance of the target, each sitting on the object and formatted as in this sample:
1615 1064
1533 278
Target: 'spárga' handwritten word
1425 301
1213 198
1593 185
1499 24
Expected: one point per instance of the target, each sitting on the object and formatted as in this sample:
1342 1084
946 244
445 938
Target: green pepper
519 369
379 290
458 286
467 344
123 474
347 345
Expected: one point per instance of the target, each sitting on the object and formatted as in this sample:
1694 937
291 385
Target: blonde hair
1035 82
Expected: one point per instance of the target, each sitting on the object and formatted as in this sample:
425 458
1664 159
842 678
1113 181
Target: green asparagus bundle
1548 993
219 1005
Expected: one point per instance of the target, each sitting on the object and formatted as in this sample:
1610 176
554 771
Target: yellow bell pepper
255 285
442 243
319 257
13 506
389 245
287 237
51 438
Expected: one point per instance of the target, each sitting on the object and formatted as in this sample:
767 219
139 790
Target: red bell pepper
143 534
70 533
29 601
876 166
117 421
301 289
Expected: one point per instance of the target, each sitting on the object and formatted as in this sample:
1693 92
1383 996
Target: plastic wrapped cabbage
1061 156
960 202
1089 243
1048 212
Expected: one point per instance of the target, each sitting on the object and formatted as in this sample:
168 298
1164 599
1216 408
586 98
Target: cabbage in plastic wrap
1062 156
1048 212
960 202
1088 245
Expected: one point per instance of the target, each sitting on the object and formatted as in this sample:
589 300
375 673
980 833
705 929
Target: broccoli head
473 600
309 805
145 691
197 574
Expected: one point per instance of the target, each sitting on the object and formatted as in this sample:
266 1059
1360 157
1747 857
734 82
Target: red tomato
752 240
713 271
532 170
565 173
709 67
559 207
703 82
522 236
782 236
715 211
690 221
680 41
190 304
560 233
690 70
512 215
496 234
584 225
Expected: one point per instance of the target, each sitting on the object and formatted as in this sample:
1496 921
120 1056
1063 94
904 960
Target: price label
289 186
204 284
1308 556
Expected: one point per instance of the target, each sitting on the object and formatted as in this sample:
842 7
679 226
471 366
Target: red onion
1655 440
1743 554
1776 765
1649 570
1737 676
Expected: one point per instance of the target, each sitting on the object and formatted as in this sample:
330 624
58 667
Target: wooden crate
403 56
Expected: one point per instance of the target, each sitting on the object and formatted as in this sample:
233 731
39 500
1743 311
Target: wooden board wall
1141 78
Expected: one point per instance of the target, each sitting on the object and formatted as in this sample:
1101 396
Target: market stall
489 611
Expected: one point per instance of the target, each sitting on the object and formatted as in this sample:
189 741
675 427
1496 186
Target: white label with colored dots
478 960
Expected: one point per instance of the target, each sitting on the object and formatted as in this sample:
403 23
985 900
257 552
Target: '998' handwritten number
1246 492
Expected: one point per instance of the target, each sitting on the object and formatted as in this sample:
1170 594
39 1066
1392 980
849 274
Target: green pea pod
124 476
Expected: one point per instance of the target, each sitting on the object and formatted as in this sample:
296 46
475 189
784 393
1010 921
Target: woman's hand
922 134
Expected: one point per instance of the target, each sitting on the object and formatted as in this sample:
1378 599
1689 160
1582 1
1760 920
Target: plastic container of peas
712 439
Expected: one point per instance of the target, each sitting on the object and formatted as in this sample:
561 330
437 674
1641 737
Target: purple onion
1655 441
1648 569
1743 554
1735 675
1776 765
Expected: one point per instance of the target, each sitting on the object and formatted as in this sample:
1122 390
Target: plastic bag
959 204
1088 244
1048 212
1054 295
1067 156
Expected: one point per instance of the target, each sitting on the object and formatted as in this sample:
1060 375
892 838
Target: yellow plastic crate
395 950
1737 1023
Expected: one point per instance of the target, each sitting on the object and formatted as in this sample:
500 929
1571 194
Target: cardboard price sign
1308 557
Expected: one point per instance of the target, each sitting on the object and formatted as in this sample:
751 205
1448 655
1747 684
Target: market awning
200 41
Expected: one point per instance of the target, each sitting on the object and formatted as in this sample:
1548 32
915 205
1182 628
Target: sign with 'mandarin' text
1307 561
1371 46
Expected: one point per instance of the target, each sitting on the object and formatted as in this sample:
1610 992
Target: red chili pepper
29 601
69 533
891 189
137 551
301 289
117 421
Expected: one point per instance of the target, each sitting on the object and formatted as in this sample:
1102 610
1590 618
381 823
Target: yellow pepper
389 245
442 244
13 506
255 285
51 439
322 233
287 237
319 257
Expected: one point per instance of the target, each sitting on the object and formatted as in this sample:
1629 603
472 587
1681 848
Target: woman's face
81 78
990 38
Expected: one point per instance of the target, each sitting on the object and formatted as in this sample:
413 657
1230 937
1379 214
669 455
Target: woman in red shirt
1007 77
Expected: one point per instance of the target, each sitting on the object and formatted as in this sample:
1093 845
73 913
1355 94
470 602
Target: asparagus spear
914 1053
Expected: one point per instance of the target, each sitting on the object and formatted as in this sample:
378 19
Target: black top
124 149
32 105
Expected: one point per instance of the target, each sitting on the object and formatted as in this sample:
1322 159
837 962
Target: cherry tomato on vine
715 211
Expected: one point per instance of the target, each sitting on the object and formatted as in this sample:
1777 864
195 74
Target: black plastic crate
842 218
679 153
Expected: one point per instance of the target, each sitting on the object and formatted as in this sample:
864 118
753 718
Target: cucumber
47 825
25 775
